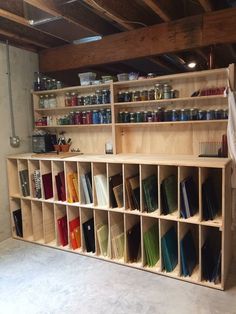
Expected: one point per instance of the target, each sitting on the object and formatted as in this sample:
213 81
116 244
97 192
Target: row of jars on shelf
160 91
161 115
100 97
76 118
45 83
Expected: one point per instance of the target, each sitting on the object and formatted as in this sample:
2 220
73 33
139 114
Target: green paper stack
151 245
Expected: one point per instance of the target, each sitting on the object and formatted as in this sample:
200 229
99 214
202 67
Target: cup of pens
62 145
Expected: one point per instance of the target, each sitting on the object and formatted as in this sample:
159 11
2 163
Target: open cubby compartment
85 215
117 236
45 169
146 224
60 211
211 259
190 255
216 187
102 233
13 177
165 226
100 184
37 221
49 224
165 172
131 171
71 179
85 176
133 247
149 194
33 165
188 193
15 204
27 224
115 169
73 215
24 182
58 168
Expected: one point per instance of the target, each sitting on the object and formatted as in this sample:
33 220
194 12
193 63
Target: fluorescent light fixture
86 40
192 64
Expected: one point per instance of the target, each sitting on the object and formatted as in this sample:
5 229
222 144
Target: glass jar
121 96
54 84
44 83
106 96
128 97
201 115
126 117
144 95
132 117
87 100
89 117
138 117
151 94
37 81
184 115
108 115
59 85
210 115
67 100
136 95
218 114
166 91
74 100
225 114
121 117
41 101
193 114
46 101
99 98
145 116
78 117
158 91
174 116
71 118
49 84
52 101
95 117
80 100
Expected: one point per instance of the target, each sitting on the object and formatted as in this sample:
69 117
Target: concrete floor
36 279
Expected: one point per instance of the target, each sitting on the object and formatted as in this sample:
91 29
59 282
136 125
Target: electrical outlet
15 141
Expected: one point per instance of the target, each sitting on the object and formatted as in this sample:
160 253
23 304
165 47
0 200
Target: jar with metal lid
46 101
93 99
210 115
154 116
167 115
74 99
151 94
80 100
126 117
108 116
59 85
49 84
184 115
121 96
41 101
71 118
96 119
201 115
67 100
121 117
78 117
218 114
87 100
139 116
225 114
84 119
53 84
89 117
132 117
174 116
166 91
52 101
136 95
103 116
99 97
158 91
44 83
144 95
106 96
128 97
193 114
145 116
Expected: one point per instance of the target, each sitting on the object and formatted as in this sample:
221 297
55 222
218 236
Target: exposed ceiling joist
207 5
185 34
13 17
158 8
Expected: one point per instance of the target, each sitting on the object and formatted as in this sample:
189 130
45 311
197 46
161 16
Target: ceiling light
192 64
87 39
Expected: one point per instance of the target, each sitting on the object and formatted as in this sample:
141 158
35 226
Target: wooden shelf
73 126
170 101
72 108
147 124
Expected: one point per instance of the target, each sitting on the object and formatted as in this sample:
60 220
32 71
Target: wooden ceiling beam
13 17
18 38
158 8
206 5
185 34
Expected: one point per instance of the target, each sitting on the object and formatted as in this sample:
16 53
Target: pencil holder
65 148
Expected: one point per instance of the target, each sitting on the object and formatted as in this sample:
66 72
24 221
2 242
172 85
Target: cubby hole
189 251
74 228
16 217
59 184
23 173
133 240
100 183
27 224
13 178
61 219
47 182
211 196
49 224
151 244
149 190
211 255
85 183
35 179
169 191
37 221
102 234
117 236
88 232
71 178
169 247
116 186
189 193
132 187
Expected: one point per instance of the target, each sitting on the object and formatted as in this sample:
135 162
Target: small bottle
41 101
